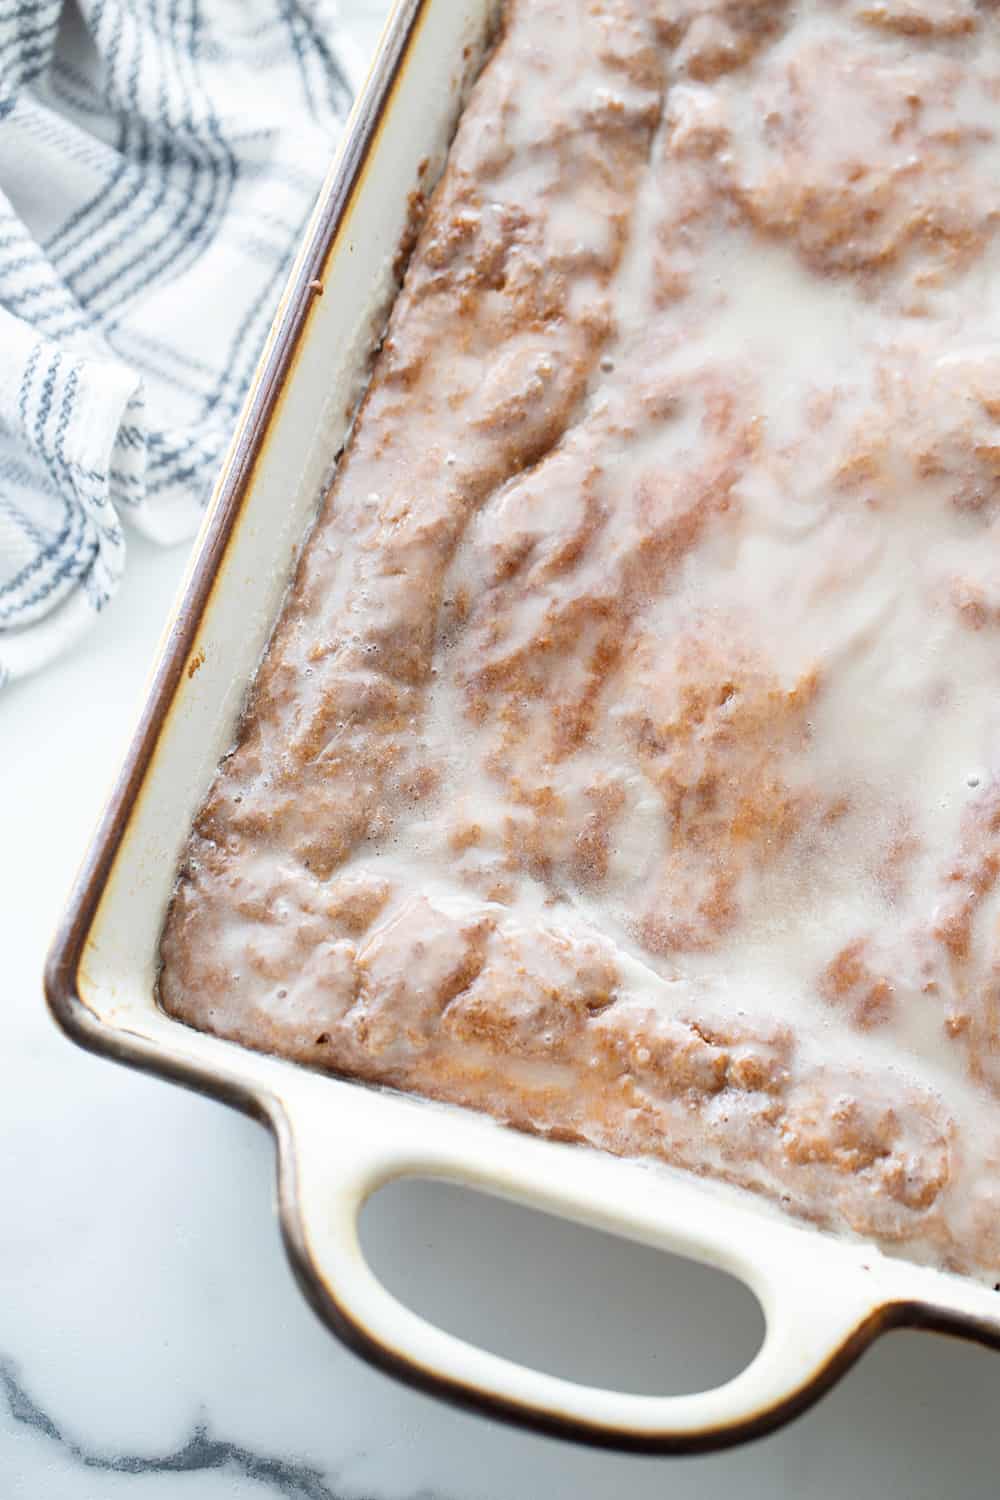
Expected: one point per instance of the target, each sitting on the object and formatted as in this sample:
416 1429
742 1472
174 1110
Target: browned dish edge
82 1026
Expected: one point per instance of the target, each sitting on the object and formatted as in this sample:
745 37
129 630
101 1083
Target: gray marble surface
152 1341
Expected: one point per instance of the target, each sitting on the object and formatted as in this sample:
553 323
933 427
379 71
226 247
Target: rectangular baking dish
824 1299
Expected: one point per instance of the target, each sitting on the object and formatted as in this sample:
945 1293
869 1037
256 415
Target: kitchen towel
158 162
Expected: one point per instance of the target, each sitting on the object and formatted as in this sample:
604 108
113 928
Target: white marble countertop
152 1341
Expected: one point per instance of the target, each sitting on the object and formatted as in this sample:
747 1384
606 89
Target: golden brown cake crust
624 761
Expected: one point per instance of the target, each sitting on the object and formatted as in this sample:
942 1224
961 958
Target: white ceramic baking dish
338 1140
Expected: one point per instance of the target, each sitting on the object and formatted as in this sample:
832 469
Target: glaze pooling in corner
626 761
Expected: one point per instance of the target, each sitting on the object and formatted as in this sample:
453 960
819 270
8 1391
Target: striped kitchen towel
158 161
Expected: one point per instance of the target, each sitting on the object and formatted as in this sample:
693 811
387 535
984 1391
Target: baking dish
338 1140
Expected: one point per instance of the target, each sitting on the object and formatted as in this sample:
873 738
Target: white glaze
830 348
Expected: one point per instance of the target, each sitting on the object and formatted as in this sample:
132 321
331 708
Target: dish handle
821 1306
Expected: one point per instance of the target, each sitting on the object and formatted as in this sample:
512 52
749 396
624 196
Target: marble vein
200 1453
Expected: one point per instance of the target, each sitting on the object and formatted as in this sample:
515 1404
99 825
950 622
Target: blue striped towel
158 161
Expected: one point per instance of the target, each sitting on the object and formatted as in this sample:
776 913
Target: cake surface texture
626 759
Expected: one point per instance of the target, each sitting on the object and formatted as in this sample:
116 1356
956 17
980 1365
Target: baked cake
626 759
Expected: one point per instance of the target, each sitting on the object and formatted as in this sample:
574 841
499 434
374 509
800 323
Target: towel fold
158 162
